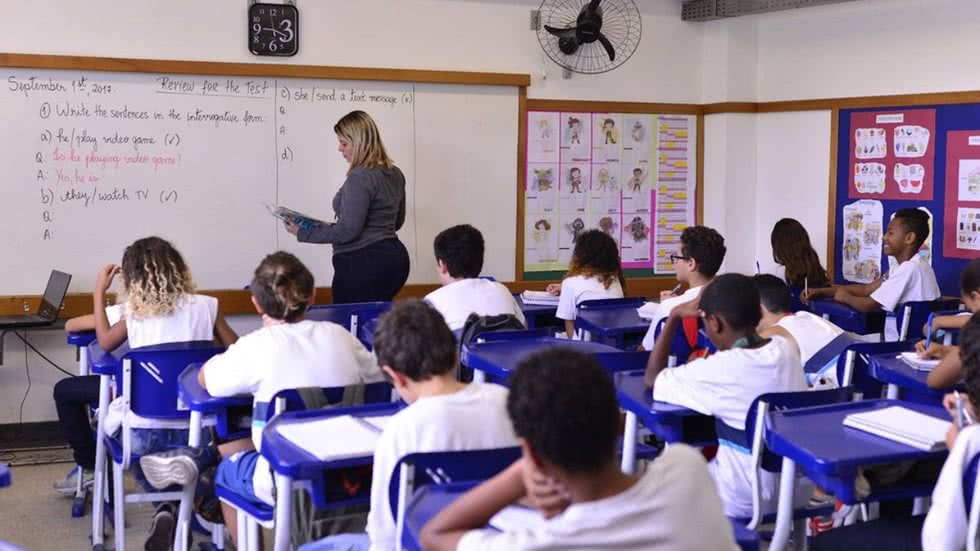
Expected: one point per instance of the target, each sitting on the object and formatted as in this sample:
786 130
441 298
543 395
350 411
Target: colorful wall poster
961 224
626 174
861 242
892 154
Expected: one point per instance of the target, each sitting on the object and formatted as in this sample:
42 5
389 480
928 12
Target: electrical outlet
27 307
535 20
566 73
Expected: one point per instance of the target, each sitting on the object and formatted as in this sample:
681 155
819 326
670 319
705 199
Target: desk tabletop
105 363
535 309
196 398
890 369
500 358
607 322
80 338
670 422
289 459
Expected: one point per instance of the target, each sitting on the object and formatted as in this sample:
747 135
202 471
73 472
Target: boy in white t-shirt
417 351
810 333
911 280
563 407
698 258
459 259
725 384
287 352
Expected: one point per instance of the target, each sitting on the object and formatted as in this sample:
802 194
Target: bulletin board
889 158
631 173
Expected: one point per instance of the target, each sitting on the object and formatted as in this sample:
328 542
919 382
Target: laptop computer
47 311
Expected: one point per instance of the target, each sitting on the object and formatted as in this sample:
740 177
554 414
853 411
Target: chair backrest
949 336
607 303
348 315
796 304
912 316
150 374
830 352
309 398
755 427
852 365
680 349
415 470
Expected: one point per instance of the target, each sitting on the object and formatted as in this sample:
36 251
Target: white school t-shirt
672 507
577 289
946 525
459 299
810 331
667 306
289 355
724 385
912 280
470 419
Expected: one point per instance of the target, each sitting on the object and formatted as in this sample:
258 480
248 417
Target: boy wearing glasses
724 384
701 252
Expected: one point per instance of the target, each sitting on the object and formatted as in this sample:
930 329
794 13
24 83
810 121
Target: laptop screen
54 294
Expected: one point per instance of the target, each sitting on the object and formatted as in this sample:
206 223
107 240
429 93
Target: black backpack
475 326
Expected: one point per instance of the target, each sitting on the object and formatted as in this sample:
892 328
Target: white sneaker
67 486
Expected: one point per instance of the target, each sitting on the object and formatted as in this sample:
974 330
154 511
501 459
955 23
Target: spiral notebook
900 424
336 438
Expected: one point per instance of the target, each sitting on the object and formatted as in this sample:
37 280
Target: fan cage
621 24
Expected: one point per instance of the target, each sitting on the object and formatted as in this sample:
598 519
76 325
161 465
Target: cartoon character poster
892 154
861 243
543 137
961 223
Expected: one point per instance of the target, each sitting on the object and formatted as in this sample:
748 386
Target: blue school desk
849 319
671 423
495 361
291 463
429 500
80 340
899 376
537 315
612 324
828 453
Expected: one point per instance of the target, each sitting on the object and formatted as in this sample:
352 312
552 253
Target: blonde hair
155 277
367 149
283 286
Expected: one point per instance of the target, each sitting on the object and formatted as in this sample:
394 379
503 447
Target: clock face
273 29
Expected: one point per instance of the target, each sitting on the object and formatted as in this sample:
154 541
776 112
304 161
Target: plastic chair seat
262 513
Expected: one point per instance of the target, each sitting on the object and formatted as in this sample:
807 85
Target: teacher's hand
291 228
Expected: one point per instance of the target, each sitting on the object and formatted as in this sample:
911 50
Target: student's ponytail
283 286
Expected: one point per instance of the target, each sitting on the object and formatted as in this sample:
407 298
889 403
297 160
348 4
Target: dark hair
970 279
414 340
705 246
773 293
155 277
915 221
597 255
734 298
970 356
283 286
564 404
792 249
461 249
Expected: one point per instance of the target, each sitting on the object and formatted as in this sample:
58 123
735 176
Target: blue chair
421 469
252 515
148 383
852 366
949 336
680 350
850 319
828 357
350 316
912 316
80 340
753 439
797 304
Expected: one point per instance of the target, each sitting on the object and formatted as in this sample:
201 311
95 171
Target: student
287 352
564 410
160 307
417 351
797 262
911 280
949 371
459 259
810 333
725 384
701 252
593 274
945 526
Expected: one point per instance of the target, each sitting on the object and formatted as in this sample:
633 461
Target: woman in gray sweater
369 262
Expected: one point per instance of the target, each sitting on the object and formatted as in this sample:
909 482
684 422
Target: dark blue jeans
374 273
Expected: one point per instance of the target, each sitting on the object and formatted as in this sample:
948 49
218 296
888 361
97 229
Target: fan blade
608 46
594 5
560 32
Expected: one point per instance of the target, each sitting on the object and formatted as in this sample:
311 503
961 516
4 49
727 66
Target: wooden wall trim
613 107
832 193
129 65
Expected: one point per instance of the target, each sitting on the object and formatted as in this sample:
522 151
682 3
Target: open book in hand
303 221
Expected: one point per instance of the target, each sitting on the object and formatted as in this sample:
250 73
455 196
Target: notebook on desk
336 438
900 424
917 363
47 311
540 298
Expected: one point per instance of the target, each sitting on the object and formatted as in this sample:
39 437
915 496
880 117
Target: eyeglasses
675 257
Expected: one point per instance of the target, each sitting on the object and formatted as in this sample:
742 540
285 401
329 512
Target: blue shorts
235 474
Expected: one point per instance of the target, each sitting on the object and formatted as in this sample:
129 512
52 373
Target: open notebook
649 310
541 298
336 438
904 425
917 363
514 518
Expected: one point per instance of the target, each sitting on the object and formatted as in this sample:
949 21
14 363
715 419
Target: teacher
369 262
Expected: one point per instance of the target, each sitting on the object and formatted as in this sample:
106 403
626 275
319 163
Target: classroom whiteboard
94 160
